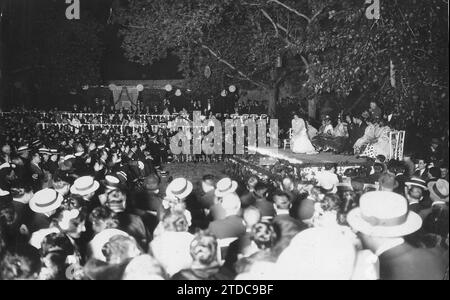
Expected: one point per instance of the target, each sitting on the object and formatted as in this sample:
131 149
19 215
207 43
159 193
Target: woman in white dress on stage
300 142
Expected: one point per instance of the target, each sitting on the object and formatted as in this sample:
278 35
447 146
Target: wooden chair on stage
287 142
397 144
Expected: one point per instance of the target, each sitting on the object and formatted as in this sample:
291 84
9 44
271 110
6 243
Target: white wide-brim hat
84 186
384 214
225 186
179 188
46 201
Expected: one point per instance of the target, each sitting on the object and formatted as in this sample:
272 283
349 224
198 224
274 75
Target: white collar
391 244
282 212
414 202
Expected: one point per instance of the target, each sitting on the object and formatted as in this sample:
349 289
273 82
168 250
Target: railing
397 145
141 117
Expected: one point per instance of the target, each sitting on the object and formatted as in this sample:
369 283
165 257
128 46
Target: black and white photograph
224 141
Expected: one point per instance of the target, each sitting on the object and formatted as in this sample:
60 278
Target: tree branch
271 21
244 76
292 10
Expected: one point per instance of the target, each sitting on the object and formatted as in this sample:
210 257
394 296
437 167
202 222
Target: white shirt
391 244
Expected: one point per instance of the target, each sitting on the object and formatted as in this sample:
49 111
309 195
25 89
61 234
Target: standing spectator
383 220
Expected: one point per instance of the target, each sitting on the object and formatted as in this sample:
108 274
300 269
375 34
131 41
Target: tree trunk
273 101
312 108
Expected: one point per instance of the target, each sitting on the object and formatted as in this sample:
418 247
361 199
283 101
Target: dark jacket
408 263
230 227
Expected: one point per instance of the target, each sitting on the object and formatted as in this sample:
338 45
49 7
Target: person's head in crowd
208 183
349 198
121 248
439 191
378 168
435 143
231 204
24 152
263 235
381 208
251 183
86 187
116 201
421 164
225 187
55 249
415 189
329 211
61 183
102 218
444 171
381 159
373 105
288 184
388 182
261 190
23 263
70 221
46 202
203 250
179 188
8 214
251 216
175 221
318 254
327 182
434 173
281 201
6 149
134 226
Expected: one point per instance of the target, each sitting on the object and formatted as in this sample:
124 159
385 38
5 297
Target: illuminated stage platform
312 160
273 165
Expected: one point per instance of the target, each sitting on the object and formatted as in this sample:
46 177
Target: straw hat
180 188
226 186
439 190
415 181
384 214
84 186
45 201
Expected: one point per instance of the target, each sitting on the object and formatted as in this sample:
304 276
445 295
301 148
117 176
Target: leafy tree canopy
325 46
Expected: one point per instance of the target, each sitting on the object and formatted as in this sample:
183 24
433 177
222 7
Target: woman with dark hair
300 142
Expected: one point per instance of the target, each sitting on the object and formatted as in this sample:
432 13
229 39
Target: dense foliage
321 46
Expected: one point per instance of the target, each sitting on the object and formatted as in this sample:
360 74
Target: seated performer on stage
380 144
324 135
338 142
369 136
300 142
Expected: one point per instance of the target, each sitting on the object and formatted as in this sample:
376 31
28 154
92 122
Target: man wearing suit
37 175
383 230
357 130
421 171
